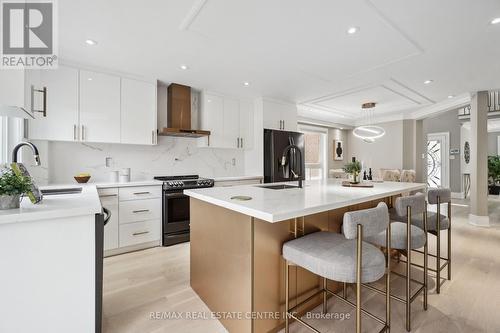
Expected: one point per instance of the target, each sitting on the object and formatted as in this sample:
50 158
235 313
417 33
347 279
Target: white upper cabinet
61 117
279 115
229 120
246 124
138 112
99 107
231 123
12 82
212 119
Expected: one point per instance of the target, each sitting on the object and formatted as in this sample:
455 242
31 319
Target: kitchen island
237 235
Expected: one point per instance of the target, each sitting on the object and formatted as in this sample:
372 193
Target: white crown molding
446 105
192 14
381 119
323 123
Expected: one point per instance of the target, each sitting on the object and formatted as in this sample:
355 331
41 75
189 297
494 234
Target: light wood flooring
157 280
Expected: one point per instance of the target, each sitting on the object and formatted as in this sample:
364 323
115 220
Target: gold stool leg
324 296
449 241
438 245
287 286
408 269
426 254
358 278
388 281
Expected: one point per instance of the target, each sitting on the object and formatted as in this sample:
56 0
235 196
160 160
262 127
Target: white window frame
323 164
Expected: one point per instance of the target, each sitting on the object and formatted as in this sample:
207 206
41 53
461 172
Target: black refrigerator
275 143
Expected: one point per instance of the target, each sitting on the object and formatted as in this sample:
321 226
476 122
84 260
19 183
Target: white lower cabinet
135 218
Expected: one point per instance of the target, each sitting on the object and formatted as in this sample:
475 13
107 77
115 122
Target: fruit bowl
81 179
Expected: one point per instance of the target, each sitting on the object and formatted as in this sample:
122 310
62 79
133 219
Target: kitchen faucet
283 162
33 148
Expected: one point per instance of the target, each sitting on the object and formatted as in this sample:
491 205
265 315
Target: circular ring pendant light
368 133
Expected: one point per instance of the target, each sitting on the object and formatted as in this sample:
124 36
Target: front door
438 167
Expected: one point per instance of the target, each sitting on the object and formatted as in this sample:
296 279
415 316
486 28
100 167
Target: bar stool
436 222
406 237
343 258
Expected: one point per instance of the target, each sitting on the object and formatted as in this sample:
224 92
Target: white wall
172 156
385 153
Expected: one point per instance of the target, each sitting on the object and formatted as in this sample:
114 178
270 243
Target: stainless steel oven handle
175 195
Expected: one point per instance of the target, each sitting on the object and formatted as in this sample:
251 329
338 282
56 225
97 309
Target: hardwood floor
148 283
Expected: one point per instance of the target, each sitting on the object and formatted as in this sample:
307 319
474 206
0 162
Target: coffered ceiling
297 51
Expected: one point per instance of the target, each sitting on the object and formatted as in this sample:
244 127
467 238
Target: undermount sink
279 187
59 191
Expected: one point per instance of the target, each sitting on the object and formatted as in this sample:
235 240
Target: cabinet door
212 118
246 124
12 88
272 115
99 107
289 117
231 123
138 112
61 121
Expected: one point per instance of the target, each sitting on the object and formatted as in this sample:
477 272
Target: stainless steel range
176 206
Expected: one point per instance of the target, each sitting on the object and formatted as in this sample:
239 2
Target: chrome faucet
283 162
33 148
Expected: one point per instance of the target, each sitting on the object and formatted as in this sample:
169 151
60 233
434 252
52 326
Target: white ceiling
296 51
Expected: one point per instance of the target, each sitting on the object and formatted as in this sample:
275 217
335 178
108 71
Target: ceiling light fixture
184 67
90 42
495 20
246 84
352 30
368 133
428 81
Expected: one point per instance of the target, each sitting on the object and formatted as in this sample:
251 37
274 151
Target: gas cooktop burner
184 182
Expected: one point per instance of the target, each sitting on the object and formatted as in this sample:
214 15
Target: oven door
175 213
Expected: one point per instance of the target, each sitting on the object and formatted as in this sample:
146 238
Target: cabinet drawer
108 196
140 210
139 192
139 232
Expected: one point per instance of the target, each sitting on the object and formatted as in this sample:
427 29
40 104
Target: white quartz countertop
315 197
55 206
151 182
235 178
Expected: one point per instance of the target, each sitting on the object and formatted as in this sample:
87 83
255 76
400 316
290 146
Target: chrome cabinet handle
44 105
241 140
140 211
237 142
153 137
140 233
139 193
83 133
108 195
74 133
283 124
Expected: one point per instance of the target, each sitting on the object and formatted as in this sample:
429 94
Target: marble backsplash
172 156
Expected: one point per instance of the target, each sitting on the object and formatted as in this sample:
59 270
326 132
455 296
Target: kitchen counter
235 178
55 206
316 196
151 182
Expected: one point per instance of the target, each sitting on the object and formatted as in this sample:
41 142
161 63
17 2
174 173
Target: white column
479 160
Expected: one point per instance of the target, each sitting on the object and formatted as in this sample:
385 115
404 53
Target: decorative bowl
82 179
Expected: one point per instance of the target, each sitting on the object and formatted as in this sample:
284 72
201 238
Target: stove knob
170 183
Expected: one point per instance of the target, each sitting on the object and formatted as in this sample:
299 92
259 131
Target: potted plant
12 187
353 168
494 174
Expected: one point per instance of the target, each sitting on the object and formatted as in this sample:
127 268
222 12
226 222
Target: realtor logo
28 34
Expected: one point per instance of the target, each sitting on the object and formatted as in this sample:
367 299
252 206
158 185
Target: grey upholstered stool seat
331 255
418 220
398 237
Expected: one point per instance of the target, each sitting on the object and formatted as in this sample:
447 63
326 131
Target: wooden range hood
179 113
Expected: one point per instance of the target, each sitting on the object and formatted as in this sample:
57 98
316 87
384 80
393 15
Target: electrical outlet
108 162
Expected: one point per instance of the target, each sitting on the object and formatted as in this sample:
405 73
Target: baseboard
457 195
479 221
132 248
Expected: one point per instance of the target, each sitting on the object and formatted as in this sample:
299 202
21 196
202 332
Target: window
315 140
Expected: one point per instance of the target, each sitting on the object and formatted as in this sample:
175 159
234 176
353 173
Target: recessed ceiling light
352 30
495 20
184 67
451 96
341 128
89 79
246 84
90 42
428 81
